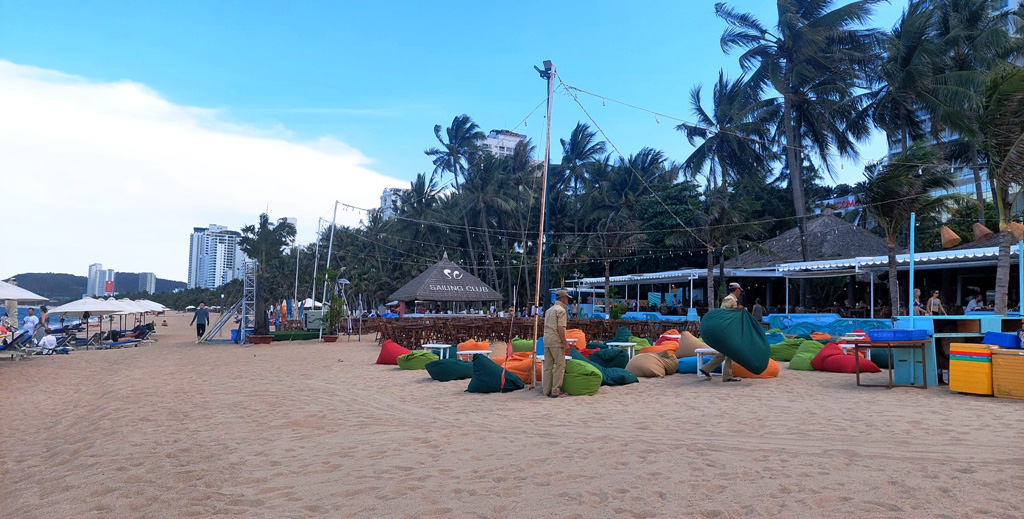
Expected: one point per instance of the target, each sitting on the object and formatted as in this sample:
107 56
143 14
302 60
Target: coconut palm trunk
711 278
607 285
978 190
1003 273
894 288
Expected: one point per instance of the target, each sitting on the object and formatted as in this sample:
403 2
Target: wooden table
889 346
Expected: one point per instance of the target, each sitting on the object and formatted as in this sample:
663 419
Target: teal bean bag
596 345
736 334
784 351
581 378
522 345
804 355
774 337
610 358
487 377
446 370
609 376
416 359
621 335
880 357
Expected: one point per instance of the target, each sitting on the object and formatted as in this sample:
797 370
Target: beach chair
93 340
17 347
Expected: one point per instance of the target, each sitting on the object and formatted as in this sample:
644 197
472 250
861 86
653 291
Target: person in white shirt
975 303
48 345
29 323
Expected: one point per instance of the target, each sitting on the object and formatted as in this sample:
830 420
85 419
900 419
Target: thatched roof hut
828 237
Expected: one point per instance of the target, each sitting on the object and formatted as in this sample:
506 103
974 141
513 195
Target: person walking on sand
757 311
201 318
730 302
555 346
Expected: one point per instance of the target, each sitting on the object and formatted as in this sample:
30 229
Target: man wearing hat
730 302
555 345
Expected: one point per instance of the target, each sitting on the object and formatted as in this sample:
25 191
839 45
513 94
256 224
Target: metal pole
327 268
872 301
1020 277
787 294
549 74
910 301
295 295
316 259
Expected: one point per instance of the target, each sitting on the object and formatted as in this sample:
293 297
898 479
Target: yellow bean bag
688 345
771 371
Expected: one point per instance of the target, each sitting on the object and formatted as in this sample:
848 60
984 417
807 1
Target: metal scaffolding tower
248 298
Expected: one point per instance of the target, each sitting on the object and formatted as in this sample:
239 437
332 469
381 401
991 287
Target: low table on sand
442 350
701 353
470 353
630 347
889 346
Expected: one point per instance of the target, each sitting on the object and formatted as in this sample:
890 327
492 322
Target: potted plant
333 314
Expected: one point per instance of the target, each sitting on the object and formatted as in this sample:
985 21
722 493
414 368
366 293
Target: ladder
248 298
225 318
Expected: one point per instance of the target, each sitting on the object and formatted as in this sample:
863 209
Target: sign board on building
108 287
842 204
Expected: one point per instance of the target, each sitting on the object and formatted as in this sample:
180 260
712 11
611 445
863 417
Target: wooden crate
970 368
1008 373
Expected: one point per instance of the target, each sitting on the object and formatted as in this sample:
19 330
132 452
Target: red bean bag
846 364
831 349
586 352
389 352
771 371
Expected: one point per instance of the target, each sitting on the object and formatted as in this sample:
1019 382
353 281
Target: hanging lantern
949 238
981 232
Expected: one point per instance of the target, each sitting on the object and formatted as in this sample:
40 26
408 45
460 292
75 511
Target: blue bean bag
689 365
739 336
487 377
445 370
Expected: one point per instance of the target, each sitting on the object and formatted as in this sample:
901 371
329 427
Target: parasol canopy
88 304
446 281
16 293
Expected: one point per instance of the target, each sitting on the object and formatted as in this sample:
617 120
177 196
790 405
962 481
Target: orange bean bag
771 371
519 364
820 336
474 345
581 338
389 352
669 346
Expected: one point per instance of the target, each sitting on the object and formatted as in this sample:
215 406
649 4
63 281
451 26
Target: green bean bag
416 359
737 335
610 358
446 370
640 343
487 377
522 345
783 351
609 376
804 355
581 378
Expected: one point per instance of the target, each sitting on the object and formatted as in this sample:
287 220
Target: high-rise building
100 282
390 199
501 142
214 256
147 282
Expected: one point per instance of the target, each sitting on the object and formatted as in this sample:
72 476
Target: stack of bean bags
609 376
783 351
449 369
662 344
804 354
653 364
771 371
688 345
487 377
415 359
610 358
389 352
519 363
831 358
581 378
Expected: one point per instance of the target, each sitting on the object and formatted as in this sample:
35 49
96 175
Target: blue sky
376 76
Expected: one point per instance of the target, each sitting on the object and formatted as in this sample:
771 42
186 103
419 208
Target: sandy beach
305 429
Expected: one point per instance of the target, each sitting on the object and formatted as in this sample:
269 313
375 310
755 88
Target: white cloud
114 173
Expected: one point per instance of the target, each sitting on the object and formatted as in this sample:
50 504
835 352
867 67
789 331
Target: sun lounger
93 340
18 347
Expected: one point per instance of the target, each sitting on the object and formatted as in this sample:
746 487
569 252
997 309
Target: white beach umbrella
87 304
16 293
152 306
309 303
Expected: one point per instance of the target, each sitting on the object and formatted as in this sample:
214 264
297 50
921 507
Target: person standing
201 318
757 311
29 323
730 302
555 346
935 305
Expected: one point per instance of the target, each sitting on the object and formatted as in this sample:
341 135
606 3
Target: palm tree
733 139
910 87
581 149
904 186
813 58
482 191
1001 125
454 156
264 243
973 35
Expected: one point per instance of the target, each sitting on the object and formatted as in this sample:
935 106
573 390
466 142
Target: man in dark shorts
201 318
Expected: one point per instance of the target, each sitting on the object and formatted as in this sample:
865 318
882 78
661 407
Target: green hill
67 287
